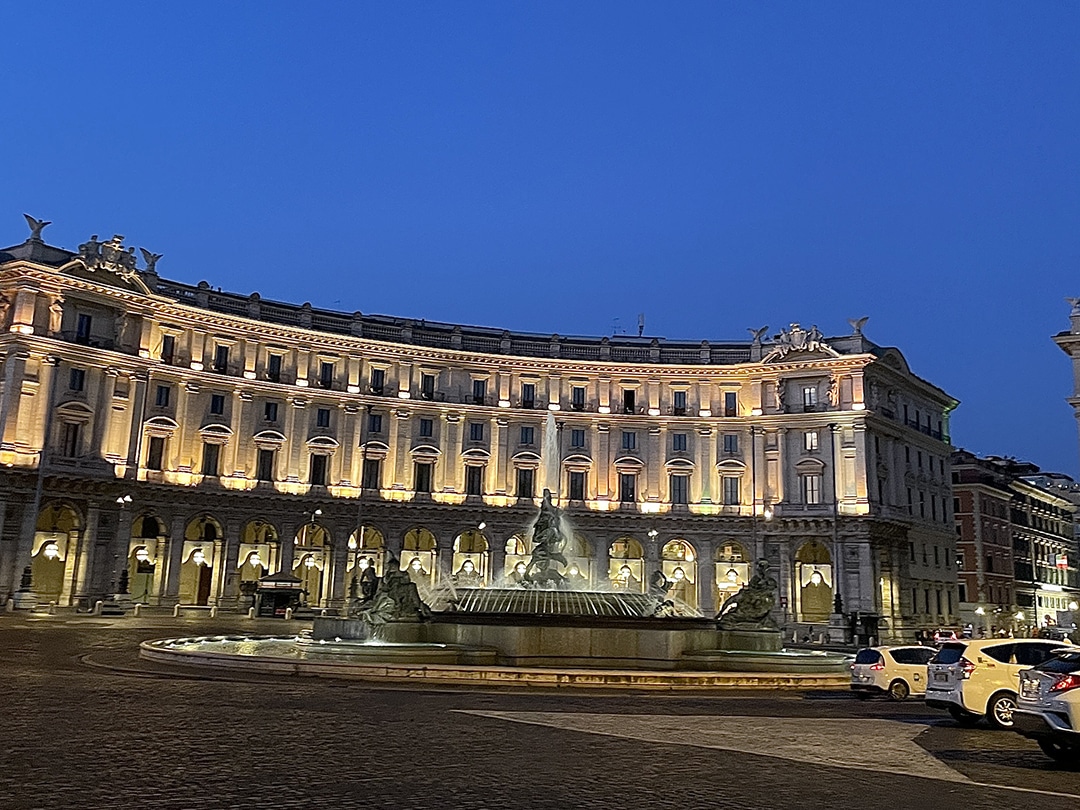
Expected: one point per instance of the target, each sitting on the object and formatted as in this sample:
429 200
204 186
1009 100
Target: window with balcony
525 476
372 475
378 380
731 403
155 453
627 487
427 386
479 391
474 480
317 470
577 485
71 439
422 476
809 396
264 467
731 490
82 328
629 400
678 403
273 368
528 395
577 398
211 459
811 489
168 349
326 375
680 489
221 358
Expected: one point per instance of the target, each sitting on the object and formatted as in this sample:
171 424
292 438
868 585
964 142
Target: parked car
943 635
1048 706
895 671
977 678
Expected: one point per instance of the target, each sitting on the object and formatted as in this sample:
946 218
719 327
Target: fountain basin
800 662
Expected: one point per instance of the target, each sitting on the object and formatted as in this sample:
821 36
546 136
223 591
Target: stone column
24 546
14 372
175 560
140 385
230 575
399 441
444 558
347 418
496 556
338 565
99 437
287 536
233 459
121 544
604 467
295 430
491 472
706 578
84 566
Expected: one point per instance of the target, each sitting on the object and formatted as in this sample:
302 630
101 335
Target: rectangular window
577 398
810 441
427 428
322 418
577 486
910 502
731 490
476 431
317 478
326 375
629 440
731 403
629 400
71 440
479 391
422 477
811 489
474 480
680 489
155 453
168 348
627 487
427 386
372 476
82 329
378 380
221 358
527 435
211 455
809 396
524 482
528 395
264 468
162 395
731 442
273 368
270 410
217 404
678 406
962 592
678 442
77 379
577 438
374 423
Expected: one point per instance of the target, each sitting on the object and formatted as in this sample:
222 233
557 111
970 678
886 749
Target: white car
975 678
895 671
1048 708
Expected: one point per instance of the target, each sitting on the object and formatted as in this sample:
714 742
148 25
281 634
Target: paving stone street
85 724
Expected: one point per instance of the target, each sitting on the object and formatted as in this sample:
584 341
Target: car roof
979 643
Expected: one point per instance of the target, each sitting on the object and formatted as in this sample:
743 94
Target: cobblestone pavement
86 725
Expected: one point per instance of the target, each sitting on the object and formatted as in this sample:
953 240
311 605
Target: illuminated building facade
199 438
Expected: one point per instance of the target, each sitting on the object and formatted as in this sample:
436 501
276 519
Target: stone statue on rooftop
36 227
151 259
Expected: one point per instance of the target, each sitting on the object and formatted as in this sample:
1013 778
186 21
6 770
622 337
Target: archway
517 558
679 564
626 565
813 575
579 561
260 549
197 568
52 562
367 549
470 564
732 570
311 561
148 537
418 556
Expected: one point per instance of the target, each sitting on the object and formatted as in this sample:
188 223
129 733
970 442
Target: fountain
544 620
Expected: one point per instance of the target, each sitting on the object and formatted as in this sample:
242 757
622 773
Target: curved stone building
199 439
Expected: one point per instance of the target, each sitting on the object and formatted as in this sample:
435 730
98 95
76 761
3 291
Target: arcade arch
678 561
814 581
53 555
626 565
732 570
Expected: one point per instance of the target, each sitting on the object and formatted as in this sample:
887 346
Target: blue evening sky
554 167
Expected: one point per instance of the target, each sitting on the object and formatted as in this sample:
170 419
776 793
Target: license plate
1029 689
941 676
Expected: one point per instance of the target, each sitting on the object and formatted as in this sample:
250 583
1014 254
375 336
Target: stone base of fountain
750 640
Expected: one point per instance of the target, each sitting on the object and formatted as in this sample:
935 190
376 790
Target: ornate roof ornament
110 256
36 227
797 339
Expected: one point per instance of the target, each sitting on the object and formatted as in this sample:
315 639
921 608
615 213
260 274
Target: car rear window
913 655
1030 653
1063 663
1000 652
949 653
867 657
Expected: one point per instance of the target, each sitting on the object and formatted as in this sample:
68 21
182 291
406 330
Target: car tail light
966 668
877 667
1065 683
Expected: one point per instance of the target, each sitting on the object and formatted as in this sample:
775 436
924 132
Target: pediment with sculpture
110 262
797 340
